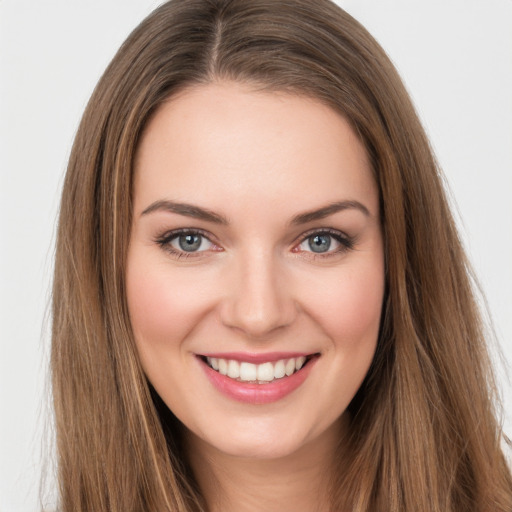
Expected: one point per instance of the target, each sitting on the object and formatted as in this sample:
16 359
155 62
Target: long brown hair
424 433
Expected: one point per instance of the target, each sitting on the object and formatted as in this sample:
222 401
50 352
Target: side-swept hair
424 435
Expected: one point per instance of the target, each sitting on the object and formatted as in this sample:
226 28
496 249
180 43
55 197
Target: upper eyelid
329 231
165 242
172 233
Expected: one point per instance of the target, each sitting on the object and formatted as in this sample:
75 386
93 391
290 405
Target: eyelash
346 242
164 241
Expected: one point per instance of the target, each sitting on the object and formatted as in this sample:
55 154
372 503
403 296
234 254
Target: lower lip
251 393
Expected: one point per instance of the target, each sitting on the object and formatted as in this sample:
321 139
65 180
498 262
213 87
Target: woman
260 299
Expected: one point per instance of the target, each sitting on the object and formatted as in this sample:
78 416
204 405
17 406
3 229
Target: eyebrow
331 209
197 212
187 210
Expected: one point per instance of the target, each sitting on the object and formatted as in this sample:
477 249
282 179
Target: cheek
351 320
164 306
360 304
349 306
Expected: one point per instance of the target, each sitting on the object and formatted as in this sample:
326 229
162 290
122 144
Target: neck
299 481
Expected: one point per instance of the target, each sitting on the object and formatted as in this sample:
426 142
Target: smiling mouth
264 373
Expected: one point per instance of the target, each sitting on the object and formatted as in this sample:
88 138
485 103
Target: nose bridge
260 301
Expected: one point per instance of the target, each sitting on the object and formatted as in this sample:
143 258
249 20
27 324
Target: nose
259 297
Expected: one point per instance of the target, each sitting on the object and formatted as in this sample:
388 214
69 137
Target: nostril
257 319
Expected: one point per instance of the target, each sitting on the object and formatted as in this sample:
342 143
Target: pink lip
257 393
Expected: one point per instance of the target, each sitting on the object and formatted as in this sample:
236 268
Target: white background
454 55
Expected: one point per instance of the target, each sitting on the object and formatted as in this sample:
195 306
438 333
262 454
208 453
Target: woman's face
255 274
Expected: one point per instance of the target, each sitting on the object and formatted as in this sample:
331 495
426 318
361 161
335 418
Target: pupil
190 243
320 243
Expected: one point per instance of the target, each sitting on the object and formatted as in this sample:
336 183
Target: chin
261 448
260 439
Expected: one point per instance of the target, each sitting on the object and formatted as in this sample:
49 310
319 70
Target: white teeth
290 367
223 367
299 362
262 373
233 369
248 371
266 372
279 370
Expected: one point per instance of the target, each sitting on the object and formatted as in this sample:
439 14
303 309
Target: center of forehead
229 144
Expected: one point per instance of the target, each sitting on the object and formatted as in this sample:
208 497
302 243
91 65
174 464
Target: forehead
225 142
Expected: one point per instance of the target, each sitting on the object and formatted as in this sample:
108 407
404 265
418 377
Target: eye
186 242
190 242
326 242
318 243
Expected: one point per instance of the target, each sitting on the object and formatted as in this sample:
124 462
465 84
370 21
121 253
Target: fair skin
278 258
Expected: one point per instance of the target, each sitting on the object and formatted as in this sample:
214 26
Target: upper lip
256 358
